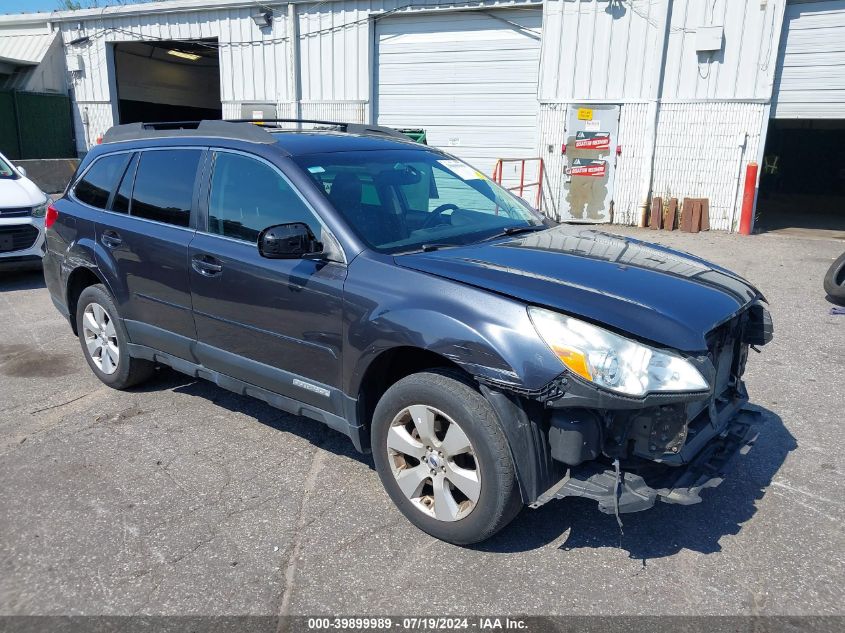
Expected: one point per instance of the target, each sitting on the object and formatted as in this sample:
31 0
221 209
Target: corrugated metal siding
599 50
334 49
596 50
698 153
99 116
349 111
26 47
743 69
629 166
252 62
468 78
49 75
810 83
335 52
336 36
551 121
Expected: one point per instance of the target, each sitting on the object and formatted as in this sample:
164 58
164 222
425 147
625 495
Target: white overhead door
810 79
468 78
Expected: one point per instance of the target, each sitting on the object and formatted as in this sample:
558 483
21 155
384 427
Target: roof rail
236 130
350 128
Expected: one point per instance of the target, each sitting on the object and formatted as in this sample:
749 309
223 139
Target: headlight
40 210
612 361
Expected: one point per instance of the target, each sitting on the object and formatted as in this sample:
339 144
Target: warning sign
592 140
585 114
589 168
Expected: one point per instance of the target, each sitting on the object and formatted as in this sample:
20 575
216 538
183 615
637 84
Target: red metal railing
522 186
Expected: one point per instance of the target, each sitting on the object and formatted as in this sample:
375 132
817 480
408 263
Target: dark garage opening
802 184
167 81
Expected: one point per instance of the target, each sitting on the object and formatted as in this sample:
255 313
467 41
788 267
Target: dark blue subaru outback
486 357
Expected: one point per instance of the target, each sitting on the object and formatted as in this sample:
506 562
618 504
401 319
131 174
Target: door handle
110 239
206 265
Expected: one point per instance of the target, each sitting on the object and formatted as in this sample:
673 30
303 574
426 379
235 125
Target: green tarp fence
35 125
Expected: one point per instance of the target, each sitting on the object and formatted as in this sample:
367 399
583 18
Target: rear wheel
443 458
105 342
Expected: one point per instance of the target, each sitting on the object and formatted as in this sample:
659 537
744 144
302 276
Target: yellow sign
585 114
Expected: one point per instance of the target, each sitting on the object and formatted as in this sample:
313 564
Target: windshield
402 200
6 170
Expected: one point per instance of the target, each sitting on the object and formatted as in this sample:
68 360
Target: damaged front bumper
619 491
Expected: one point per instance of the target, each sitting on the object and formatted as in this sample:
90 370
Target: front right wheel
444 459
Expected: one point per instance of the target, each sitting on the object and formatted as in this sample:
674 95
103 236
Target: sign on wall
590 168
592 140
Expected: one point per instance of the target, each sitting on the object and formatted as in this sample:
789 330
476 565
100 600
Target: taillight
51 216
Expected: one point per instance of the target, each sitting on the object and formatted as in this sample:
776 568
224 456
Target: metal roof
25 49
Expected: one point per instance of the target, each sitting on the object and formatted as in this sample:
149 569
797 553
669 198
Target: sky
27 6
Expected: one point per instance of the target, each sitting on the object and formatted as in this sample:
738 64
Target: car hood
654 293
20 192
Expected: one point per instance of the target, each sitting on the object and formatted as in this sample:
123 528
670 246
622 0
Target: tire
486 497
104 341
834 280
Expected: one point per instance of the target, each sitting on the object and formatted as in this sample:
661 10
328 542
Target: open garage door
802 185
468 78
810 77
167 81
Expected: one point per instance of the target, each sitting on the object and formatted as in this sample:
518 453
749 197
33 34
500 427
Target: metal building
624 100
31 56
416 64
686 90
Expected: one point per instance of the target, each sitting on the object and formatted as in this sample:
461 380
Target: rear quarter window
95 187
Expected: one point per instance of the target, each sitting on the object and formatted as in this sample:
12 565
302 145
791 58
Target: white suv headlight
612 361
40 210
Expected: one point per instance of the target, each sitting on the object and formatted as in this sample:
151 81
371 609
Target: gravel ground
181 498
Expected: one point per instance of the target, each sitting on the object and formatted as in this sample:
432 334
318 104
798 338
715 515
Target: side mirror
288 241
21 170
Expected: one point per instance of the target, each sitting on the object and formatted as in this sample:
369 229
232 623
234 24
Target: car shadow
314 431
665 529
662 531
21 279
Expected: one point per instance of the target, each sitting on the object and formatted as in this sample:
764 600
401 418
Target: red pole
748 199
540 186
522 178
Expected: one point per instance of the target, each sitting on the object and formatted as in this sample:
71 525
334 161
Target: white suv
22 209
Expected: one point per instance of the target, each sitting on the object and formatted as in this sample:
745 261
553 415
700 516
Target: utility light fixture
177 53
263 20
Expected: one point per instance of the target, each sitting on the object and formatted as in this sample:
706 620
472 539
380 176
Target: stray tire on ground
834 280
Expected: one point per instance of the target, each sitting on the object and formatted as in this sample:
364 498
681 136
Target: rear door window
164 185
95 187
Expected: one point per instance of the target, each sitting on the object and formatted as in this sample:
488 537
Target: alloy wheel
434 463
100 338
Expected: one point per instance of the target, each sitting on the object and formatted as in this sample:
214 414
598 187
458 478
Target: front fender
442 334
489 336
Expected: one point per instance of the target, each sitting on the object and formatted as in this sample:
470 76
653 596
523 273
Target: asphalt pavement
181 498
